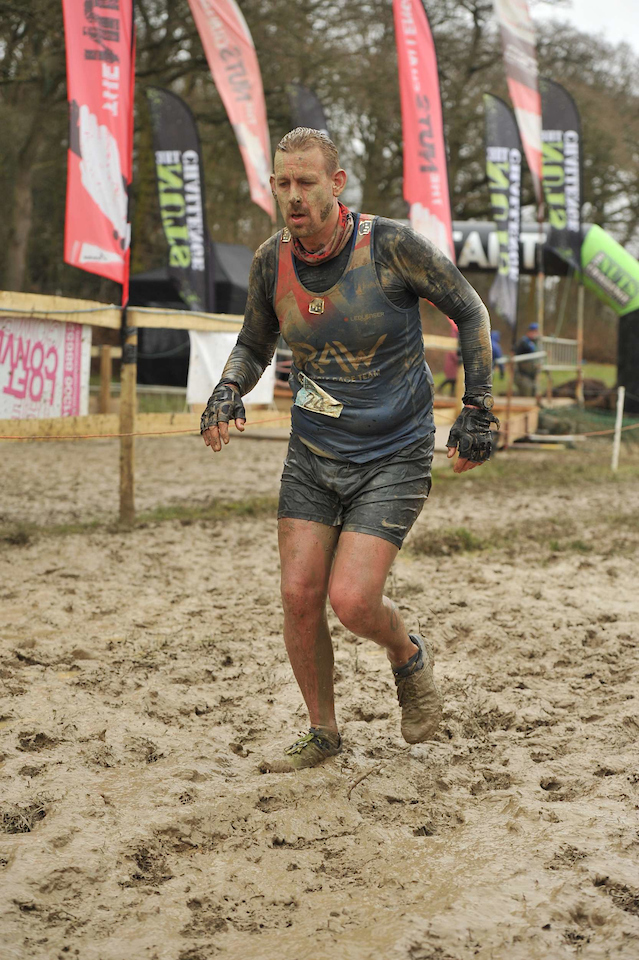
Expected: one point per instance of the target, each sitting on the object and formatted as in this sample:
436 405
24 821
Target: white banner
209 353
44 369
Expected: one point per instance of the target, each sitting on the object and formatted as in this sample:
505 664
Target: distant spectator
495 339
526 370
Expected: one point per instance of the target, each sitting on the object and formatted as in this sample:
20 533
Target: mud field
143 680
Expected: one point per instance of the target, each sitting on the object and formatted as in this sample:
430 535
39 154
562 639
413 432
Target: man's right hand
225 404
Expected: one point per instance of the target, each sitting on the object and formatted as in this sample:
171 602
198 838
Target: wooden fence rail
128 423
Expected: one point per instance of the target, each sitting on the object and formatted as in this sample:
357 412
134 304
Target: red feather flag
425 166
100 76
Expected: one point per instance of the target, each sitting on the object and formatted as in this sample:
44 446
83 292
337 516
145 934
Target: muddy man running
343 289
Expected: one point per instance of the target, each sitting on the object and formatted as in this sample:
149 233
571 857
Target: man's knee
353 606
301 595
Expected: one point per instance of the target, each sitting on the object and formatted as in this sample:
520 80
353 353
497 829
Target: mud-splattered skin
408 267
306 194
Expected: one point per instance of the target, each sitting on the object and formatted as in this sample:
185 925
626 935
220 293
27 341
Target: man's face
305 192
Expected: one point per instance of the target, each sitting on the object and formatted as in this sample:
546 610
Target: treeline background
345 51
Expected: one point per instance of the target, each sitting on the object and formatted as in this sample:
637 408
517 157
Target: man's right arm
258 337
250 356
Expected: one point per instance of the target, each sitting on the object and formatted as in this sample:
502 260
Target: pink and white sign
44 369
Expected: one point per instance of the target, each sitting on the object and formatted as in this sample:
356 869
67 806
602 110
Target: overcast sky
614 20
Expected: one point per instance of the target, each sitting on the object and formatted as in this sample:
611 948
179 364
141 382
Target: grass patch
22 534
217 510
552 533
577 546
607 372
538 470
622 521
16 534
441 543
161 403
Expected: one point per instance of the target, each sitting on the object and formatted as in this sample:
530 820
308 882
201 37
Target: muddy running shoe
418 695
313 748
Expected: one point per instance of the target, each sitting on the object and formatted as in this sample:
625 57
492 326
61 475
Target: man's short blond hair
304 138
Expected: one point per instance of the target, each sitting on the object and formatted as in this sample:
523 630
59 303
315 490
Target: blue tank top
361 386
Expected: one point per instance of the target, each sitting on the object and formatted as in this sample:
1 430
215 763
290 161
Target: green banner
610 271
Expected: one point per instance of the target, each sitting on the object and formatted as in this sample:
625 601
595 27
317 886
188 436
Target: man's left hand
471 434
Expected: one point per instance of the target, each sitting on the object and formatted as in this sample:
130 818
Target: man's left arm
432 276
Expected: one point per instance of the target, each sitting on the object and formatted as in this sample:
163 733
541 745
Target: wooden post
580 344
541 292
128 404
509 398
106 369
548 385
541 280
541 283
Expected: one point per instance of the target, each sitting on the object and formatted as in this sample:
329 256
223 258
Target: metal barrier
561 354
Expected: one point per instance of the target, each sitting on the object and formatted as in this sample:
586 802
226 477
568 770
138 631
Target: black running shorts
383 497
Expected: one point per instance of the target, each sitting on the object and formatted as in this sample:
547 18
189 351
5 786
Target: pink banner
230 53
520 62
44 368
425 172
100 75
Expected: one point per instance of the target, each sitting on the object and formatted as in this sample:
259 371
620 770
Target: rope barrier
166 312
591 433
601 433
151 433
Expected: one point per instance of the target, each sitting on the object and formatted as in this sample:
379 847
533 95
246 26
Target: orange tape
117 436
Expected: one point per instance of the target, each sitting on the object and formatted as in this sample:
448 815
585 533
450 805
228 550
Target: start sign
44 369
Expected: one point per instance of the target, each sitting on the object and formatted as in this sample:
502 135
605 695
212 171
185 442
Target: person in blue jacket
526 371
495 339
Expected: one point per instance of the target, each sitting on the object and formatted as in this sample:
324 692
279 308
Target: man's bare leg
306 554
362 563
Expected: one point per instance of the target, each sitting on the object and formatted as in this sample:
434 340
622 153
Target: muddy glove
471 434
224 404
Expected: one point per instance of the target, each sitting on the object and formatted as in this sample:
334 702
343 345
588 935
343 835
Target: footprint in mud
207 919
102 756
142 749
555 789
568 856
150 868
575 938
367 710
204 952
550 784
480 720
22 819
30 771
34 741
606 771
550 753
492 780
270 804
621 895
248 914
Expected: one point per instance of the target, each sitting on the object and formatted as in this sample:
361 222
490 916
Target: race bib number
311 397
